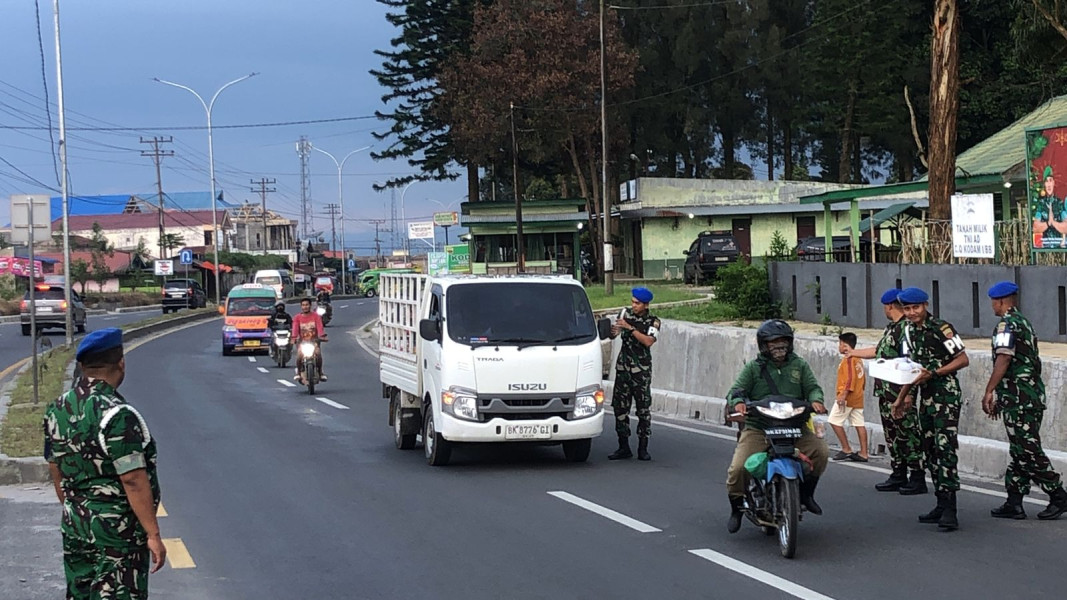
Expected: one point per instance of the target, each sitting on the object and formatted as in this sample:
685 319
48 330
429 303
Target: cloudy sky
312 56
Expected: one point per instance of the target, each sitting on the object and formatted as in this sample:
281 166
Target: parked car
814 249
51 309
711 250
183 293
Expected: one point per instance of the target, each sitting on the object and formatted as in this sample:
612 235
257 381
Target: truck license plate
527 432
250 343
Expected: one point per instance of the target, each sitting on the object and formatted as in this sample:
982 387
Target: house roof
113 204
172 218
1006 149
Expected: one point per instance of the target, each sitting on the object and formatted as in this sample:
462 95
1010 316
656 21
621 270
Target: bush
745 288
9 289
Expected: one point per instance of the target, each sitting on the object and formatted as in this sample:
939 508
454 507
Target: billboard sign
421 231
459 258
972 226
1046 184
445 219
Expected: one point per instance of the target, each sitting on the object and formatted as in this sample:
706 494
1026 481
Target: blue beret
99 340
642 294
912 295
890 296
1003 289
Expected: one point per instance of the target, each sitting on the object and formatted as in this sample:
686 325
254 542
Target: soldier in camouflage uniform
103 463
902 435
936 346
633 373
1016 392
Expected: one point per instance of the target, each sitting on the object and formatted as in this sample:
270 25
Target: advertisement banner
420 231
20 267
445 219
164 267
972 226
1046 163
459 258
437 263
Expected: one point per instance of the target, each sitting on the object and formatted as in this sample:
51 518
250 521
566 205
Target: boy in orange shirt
848 405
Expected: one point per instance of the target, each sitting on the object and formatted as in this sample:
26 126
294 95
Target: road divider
605 512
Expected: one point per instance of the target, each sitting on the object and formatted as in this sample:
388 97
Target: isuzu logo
527 387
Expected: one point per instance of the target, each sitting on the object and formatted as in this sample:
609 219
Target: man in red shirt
307 327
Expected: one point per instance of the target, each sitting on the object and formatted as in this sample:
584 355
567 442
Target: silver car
52 309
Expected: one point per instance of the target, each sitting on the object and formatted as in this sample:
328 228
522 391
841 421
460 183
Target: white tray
900 371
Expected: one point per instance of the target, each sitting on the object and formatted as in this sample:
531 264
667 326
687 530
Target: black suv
183 293
711 250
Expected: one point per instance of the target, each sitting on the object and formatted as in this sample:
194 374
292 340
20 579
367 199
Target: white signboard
420 231
164 267
21 205
972 226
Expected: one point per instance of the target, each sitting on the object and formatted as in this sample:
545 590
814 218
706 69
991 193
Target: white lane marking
286 383
344 306
251 359
853 465
262 370
329 402
108 318
360 303
605 512
793 589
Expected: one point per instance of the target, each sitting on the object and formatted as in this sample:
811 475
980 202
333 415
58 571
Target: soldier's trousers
1028 460
939 420
100 573
902 436
632 389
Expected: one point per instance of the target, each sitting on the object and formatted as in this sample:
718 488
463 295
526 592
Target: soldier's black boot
734 524
948 520
1056 507
807 494
935 515
1012 509
896 479
642 449
916 484
623 451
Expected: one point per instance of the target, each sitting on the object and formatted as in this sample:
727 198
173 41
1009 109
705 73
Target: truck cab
468 359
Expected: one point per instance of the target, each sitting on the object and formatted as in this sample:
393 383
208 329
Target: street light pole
208 107
404 218
341 201
64 192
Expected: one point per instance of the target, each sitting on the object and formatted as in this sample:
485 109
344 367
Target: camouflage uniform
93 436
633 376
1021 401
934 343
901 435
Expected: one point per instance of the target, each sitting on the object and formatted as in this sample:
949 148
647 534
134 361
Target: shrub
745 288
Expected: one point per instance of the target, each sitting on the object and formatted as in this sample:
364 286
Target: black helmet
772 330
280 305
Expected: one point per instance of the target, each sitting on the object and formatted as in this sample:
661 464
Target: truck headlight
588 403
461 403
229 329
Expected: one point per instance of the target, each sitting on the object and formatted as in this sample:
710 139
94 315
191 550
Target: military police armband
653 331
1003 337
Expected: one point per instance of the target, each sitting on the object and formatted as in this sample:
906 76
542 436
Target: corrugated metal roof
1005 149
113 204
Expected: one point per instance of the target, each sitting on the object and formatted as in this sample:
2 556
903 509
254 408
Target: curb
14 471
603 312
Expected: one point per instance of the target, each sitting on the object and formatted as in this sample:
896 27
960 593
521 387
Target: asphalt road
278 494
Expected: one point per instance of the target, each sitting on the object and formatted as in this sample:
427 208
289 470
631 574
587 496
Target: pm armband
653 332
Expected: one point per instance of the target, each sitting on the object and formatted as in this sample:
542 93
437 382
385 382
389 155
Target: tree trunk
770 143
590 206
472 182
845 158
787 150
944 106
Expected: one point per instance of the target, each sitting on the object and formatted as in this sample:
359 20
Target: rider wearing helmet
280 319
792 377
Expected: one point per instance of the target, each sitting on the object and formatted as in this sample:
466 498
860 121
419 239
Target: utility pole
303 148
333 210
378 241
263 191
520 244
157 157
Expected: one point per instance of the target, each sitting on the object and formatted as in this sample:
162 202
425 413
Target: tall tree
944 107
431 31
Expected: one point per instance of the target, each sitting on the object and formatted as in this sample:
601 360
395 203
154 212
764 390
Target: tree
101 251
170 241
79 273
944 107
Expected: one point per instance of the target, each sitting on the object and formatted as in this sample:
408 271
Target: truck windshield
519 314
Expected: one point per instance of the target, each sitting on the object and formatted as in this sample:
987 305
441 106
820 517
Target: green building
551 230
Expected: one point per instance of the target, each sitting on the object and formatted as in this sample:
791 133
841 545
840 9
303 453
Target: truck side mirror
429 330
603 328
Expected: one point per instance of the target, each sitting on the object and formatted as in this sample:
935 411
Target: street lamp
404 218
341 200
208 107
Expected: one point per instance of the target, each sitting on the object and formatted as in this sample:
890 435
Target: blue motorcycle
772 478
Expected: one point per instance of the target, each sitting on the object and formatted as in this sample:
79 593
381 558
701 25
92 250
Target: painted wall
127 239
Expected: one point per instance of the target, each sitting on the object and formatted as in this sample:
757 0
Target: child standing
848 405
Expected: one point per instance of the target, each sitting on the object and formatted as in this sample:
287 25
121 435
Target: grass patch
705 312
21 434
661 290
168 317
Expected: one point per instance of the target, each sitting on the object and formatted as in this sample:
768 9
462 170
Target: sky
312 58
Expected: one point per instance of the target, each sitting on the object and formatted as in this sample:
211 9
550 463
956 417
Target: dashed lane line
160 511
606 512
793 589
177 554
251 359
262 370
329 402
344 306
286 383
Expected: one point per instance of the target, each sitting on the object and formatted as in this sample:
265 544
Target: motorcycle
309 373
325 311
772 480
280 348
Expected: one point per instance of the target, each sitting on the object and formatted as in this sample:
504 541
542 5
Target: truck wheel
577 450
438 450
227 350
370 293
402 441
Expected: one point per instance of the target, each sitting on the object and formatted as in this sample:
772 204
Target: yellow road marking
11 368
161 512
177 554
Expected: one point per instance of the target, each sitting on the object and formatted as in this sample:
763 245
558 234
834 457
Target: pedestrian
639 329
102 459
848 403
1016 392
902 436
936 346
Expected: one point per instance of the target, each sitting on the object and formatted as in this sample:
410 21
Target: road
278 494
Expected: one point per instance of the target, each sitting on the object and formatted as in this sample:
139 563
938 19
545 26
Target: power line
157 155
200 127
44 80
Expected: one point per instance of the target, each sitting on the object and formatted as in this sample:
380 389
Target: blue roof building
116 204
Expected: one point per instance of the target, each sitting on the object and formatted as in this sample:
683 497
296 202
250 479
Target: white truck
490 359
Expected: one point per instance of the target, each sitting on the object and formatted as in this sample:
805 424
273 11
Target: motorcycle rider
307 327
777 370
279 320
323 300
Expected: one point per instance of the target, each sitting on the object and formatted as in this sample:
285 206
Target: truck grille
524 407
524 402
